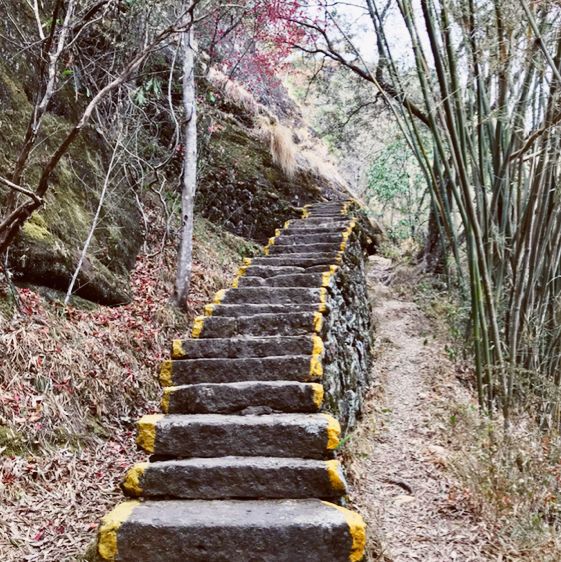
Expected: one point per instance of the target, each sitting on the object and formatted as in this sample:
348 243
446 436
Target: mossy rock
48 248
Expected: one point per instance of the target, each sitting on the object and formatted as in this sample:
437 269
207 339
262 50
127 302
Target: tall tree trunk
185 258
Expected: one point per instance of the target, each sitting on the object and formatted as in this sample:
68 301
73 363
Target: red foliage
253 41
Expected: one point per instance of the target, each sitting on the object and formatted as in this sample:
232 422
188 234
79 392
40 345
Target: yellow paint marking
326 277
177 351
318 322
305 213
333 432
322 300
268 246
146 426
166 397
131 483
110 524
318 392
287 224
198 325
209 309
241 272
357 529
166 373
219 297
336 479
316 365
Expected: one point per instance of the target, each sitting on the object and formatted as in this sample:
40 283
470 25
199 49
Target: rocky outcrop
243 460
48 248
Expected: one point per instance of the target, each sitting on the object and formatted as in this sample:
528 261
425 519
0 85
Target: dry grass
310 154
511 480
283 149
72 383
508 479
235 93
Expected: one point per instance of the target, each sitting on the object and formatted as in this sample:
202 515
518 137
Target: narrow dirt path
398 457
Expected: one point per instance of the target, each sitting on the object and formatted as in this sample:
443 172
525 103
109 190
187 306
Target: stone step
328 213
243 397
302 368
333 224
328 221
292 280
290 324
302 229
330 208
319 248
236 477
239 347
270 295
295 239
231 531
328 204
272 271
312 436
238 310
298 260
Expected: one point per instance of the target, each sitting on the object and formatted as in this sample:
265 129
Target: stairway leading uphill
242 466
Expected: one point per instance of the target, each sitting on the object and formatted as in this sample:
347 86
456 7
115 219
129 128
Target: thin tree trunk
92 228
185 258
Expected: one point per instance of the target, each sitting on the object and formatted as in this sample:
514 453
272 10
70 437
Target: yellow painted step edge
335 474
333 432
357 530
146 436
132 481
317 394
316 365
166 373
110 525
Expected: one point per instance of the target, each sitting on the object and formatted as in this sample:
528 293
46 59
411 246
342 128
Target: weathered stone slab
303 229
272 271
292 280
298 260
304 248
324 221
308 238
194 371
236 477
229 398
239 347
232 531
266 295
291 324
236 310
311 436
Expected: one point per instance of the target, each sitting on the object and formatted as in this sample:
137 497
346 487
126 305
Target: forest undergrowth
73 382
508 477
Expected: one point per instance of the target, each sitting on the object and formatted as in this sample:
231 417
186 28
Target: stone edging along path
242 465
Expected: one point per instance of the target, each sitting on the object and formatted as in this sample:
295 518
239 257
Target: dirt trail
399 458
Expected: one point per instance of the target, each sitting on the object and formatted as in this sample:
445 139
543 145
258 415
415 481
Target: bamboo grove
481 110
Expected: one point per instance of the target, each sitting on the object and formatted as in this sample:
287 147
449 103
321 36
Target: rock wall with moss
241 189
348 331
48 249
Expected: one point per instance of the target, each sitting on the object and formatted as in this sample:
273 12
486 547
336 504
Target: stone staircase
242 465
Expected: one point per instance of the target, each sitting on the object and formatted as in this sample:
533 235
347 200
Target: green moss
36 232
